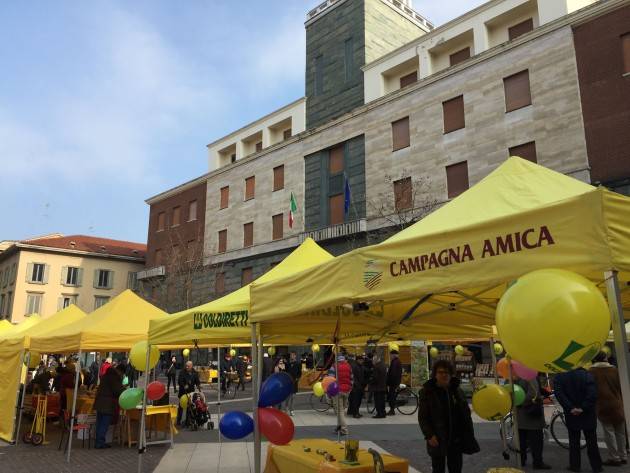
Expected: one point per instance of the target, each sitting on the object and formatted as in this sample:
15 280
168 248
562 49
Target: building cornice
17 247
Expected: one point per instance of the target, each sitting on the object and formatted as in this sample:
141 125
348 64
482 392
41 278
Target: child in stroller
197 414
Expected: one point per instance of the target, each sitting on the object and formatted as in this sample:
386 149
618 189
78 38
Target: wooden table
292 458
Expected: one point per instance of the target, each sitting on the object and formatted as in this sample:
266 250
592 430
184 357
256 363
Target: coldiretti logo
372 274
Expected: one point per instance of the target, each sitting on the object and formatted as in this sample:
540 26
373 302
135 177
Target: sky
104 104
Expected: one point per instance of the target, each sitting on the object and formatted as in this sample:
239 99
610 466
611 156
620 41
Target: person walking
171 372
394 377
358 387
609 409
445 420
94 370
343 373
531 423
267 367
227 367
576 392
294 369
106 402
187 381
378 386
241 368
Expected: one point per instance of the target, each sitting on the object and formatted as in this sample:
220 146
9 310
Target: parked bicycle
320 403
406 401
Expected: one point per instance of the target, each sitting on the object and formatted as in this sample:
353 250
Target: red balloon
155 390
275 425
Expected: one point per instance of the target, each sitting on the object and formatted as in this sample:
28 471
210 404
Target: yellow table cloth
292 458
158 419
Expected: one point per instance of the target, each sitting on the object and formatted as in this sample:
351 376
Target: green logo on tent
372 274
203 320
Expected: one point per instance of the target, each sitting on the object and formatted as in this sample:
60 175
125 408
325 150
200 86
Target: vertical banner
419 363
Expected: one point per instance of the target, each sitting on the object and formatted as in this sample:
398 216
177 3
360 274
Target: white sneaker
291 413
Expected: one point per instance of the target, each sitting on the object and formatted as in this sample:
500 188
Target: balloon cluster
132 397
328 385
274 424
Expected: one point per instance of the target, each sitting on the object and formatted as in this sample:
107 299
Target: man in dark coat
394 377
241 369
576 392
531 423
378 386
106 402
267 367
445 420
358 387
187 381
294 368
226 367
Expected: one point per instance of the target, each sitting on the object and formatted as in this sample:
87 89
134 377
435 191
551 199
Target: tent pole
515 434
255 379
141 433
338 401
27 359
619 335
219 397
77 373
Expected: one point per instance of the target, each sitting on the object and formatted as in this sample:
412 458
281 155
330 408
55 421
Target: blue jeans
102 424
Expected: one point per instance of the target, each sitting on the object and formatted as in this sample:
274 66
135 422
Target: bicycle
406 401
230 386
320 403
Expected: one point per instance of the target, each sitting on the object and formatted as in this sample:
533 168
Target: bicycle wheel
319 403
230 392
507 427
560 433
406 402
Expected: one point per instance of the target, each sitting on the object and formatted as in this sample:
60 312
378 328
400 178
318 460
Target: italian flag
292 210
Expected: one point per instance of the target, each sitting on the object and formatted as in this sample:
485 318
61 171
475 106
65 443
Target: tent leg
77 373
21 405
141 433
619 335
219 399
516 442
256 361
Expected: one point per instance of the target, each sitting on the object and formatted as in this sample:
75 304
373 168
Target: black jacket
394 374
294 368
108 392
577 389
187 381
172 369
445 414
267 368
378 382
358 381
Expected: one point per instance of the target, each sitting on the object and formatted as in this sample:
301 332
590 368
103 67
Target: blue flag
346 197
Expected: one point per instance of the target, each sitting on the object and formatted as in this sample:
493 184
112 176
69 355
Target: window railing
336 231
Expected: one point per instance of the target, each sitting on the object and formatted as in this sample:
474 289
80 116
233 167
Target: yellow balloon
491 402
318 389
393 346
138 355
315 347
606 349
186 352
553 320
459 350
434 352
183 401
271 351
232 352
498 349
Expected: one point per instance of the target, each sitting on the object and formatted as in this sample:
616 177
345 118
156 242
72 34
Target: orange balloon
327 381
503 368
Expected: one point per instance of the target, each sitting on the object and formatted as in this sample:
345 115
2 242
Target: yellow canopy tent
22 327
12 351
5 325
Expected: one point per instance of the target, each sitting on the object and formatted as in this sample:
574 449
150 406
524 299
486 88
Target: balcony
336 231
156 272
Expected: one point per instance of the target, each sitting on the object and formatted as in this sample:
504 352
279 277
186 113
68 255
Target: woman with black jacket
445 420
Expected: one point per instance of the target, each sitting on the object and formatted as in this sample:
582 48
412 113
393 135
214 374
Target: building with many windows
401 116
43 275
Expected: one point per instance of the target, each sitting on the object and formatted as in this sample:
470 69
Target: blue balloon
275 389
236 425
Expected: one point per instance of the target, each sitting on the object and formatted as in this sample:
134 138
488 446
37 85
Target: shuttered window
225 197
33 303
286 134
177 216
219 284
625 51
277 222
246 276
335 209
104 278
409 79
250 187
71 276
248 234
459 56
520 29
453 111
335 160
403 193
161 221
222 241
259 146
37 273
525 151
192 210
400 134
517 92
100 301
278 178
457 178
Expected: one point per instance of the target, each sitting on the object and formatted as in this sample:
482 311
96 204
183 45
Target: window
65 300
525 151
277 226
409 79
286 134
71 276
4 277
13 273
250 187
2 302
335 209
103 278
403 194
100 301
246 276
520 29
33 303
37 273
400 134
453 111
248 234
177 211
222 241
335 160
319 75
625 51
278 178
161 221
192 210
459 56
233 158
349 58
259 146
9 307
132 280
517 93
225 197
457 178
219 283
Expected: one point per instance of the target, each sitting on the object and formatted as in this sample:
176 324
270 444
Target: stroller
197 414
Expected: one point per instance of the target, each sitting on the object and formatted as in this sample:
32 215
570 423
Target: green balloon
130 398
519 393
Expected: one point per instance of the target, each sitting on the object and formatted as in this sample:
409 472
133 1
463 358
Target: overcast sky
106 103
